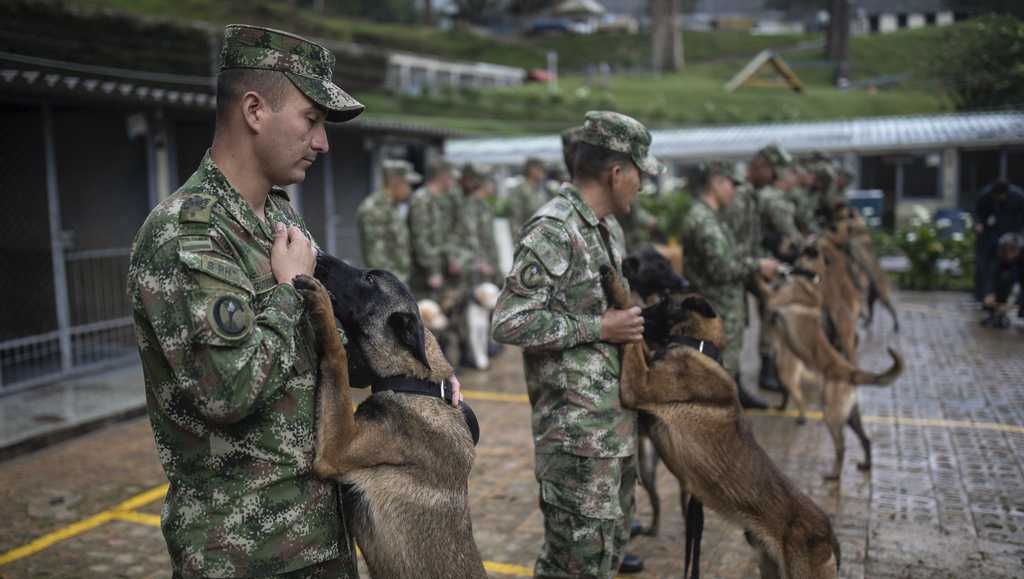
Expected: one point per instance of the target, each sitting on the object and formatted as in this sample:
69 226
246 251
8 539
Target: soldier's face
625 184
291 138
724 190
759 172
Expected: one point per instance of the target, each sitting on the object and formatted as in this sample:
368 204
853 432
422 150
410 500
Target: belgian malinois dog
405 455
799 339
698 427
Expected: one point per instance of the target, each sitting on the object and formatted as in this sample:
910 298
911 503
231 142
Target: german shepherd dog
698 427
797 314
404 458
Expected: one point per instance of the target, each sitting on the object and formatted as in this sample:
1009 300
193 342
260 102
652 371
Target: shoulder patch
549 241
230 317
218 268
197 208
558 209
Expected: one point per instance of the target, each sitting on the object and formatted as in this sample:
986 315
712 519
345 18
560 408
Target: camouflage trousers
588 507
339 568
729 305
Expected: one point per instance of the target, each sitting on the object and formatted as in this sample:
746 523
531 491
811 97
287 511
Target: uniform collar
700 199
209 178
569 192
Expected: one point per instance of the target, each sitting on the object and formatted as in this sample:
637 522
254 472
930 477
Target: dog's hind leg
835 419
790 374
647 463
858 428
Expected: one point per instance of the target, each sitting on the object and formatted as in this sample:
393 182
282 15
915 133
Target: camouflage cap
308 65
476 171
776 156
400 168
624 134
571 136
701 174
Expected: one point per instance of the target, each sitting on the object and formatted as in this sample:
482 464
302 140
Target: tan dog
697 425
405 457
801 345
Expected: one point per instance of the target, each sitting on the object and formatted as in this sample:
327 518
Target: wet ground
945 499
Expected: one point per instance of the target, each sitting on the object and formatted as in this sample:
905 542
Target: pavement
945 498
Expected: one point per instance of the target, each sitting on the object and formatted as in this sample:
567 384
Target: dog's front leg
336 426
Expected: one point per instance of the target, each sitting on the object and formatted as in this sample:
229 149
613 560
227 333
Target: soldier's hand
435 281
767 268
486 269
622 326
291 255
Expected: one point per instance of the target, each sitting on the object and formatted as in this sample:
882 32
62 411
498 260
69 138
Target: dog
652 277
406 454
698 427
799 339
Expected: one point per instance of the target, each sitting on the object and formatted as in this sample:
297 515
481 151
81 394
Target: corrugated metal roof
881 134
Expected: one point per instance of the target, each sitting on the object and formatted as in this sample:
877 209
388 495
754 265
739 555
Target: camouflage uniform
551 305
384 227
431 221
716 268
777 210
524 200
230 362
472 238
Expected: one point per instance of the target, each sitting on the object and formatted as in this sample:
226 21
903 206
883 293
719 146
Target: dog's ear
409 331
700 305
630 267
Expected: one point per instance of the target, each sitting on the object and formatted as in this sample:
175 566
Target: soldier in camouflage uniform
779 232
383 221
716 266
527 197
431 221
473 233
553 306
228 354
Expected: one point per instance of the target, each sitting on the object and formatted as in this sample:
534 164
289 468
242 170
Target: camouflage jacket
552 305
230 368
714 264
523 201
472 238
431 219
384 235
778 216
743 218
805 202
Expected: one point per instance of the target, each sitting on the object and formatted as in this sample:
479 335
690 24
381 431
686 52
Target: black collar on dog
702 346
442 390
806 273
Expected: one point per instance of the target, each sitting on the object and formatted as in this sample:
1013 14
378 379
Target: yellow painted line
48 540
506 569
143 499
137 517
902 421
495 396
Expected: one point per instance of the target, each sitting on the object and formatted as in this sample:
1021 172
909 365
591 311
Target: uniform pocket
582 485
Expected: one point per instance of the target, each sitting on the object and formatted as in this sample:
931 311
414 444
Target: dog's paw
831 477
863 466
801 420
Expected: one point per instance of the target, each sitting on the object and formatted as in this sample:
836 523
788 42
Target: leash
442 390
694 536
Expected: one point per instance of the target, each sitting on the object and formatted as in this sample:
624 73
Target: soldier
528 196
768 171
431 219
474 226
716 267
228 354
554 307
383 226
779 237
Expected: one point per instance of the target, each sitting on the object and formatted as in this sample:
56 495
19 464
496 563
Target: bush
939 258
670 209
981 64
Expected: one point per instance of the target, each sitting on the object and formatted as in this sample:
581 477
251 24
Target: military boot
748 400
631 564
768 378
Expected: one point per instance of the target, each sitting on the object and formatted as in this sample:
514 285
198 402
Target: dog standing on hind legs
701 435
405 458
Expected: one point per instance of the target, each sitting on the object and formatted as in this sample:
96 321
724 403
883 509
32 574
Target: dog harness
702 346
442 390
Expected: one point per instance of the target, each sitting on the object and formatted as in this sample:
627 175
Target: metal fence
100 332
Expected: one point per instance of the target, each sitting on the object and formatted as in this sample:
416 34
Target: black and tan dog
404 457
797 313
698 427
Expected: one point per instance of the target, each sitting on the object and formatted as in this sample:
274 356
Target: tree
837 45
475 10
981 63
665 35
1013 7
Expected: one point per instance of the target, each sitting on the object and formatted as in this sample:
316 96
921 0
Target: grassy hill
692 97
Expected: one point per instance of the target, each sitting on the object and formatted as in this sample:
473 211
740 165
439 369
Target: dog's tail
883 378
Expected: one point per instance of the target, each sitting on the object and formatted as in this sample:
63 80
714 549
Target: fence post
60 281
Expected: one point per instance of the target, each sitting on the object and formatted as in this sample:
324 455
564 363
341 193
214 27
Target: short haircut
436 168
233 83
589 162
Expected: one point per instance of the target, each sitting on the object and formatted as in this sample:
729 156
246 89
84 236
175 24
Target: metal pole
330 235
60 282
